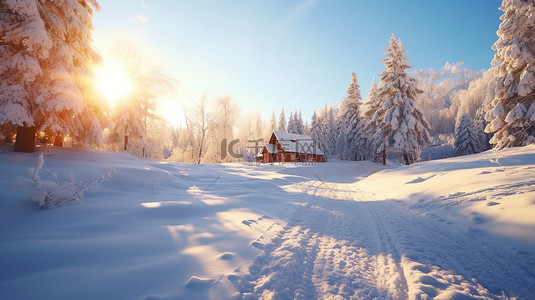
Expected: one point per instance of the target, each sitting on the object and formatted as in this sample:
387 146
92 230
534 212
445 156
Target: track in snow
354 247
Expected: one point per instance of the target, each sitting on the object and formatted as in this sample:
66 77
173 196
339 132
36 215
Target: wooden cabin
290 147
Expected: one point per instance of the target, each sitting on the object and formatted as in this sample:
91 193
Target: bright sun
113 82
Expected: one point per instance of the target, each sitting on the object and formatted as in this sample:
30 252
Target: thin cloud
142 18
304 6
297 12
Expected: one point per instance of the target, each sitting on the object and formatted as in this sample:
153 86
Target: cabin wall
282 156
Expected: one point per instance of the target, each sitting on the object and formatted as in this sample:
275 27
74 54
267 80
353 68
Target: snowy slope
446 229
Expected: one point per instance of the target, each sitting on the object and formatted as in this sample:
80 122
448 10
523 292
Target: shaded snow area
459 228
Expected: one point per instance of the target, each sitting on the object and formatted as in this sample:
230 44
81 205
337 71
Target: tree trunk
125 143
406 159
25 141
384 157
58 141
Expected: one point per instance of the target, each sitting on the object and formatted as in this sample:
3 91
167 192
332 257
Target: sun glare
113 82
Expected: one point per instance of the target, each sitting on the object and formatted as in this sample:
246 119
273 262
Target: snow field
459 228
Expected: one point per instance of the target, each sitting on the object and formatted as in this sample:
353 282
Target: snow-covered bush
54 193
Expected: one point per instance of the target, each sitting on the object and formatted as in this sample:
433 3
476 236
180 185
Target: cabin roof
298 143
271 148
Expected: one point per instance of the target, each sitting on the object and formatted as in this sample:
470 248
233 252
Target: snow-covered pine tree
465 138
321 131
45 52
372 103
72 49
331 133
314 127
351 137
282 121
401 127
512 118
24 42
299 123
326 131
479 125
273 122
370 106
127 126
291 123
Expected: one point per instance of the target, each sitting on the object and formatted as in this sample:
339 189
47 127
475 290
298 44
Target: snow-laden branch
54 193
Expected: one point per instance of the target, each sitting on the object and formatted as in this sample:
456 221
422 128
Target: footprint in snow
195 282
422 268
227 256
234 277
419 179
522 252
248 222
476 232
257 245
478 220
432 281
492 203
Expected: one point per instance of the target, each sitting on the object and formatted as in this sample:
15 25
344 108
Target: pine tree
331 133
273 122
24 43
315 128
291 123
479 125
351 137
465 138
369 108
46 47
321 131
282 121
372 102
401 127
299 123
512 118
295 123
127 127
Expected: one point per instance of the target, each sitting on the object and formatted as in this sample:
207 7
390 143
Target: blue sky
296 54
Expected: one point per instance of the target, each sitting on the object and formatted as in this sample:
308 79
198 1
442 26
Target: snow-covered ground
459 228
